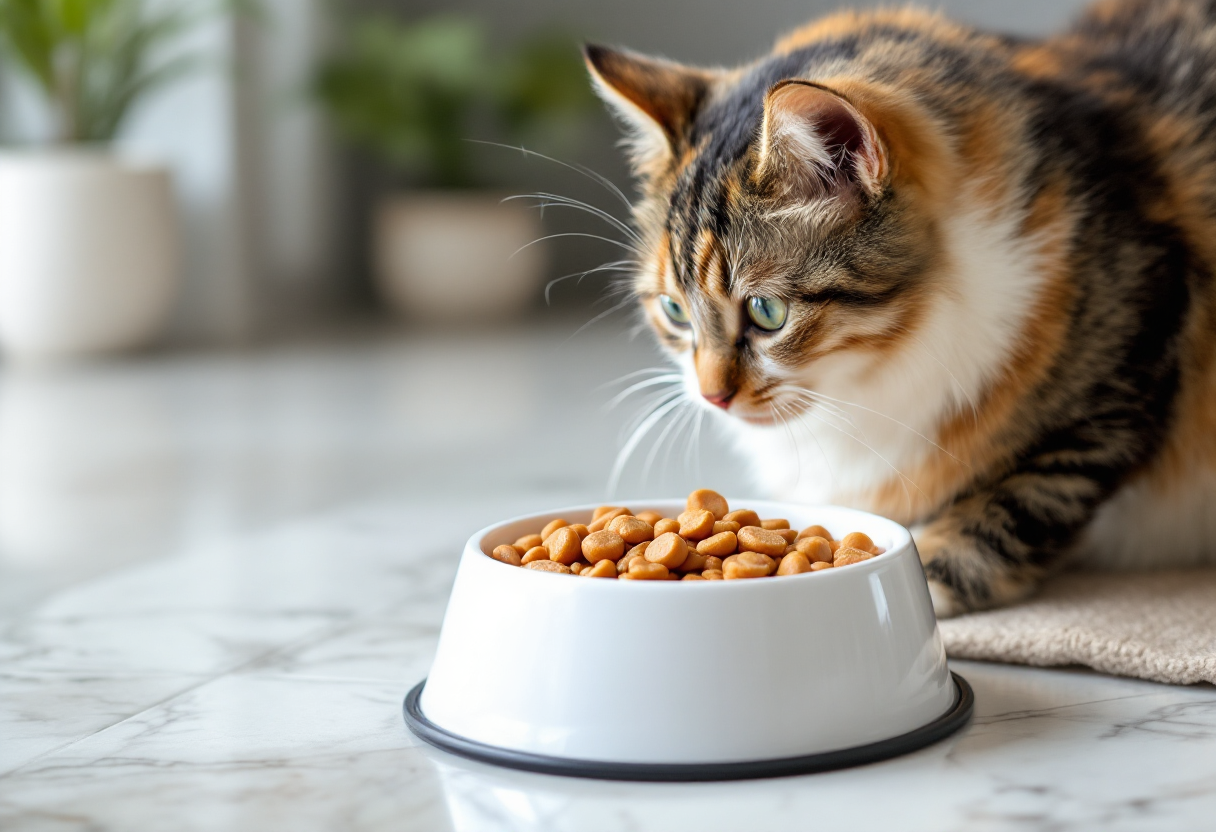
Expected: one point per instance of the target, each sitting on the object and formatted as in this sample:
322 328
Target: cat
967 276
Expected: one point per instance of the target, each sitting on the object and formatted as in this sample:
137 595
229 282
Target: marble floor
219 574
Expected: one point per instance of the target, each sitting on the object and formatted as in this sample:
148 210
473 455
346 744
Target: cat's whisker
904 479
599 318
816 393
776 410
645 407
614 266
637 436
673 378
598 178
642 372
975 412
694 444
546 200
681 416
802 397
600 237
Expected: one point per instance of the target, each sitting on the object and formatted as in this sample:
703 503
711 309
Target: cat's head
788 225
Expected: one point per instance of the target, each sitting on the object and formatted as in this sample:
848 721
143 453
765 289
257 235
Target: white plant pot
451 256
88 253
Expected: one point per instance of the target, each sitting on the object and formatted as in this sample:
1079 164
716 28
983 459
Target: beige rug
1151 625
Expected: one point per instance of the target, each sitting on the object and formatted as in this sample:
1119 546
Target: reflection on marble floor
225 644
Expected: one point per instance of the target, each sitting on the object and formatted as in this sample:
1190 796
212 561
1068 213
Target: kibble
564 546
633 530
705 500
530 541
603 545
669 549
549 566
602 569
706 542
696 524
507 554
666 525
551 527
815 549
719 545
534 554
765 541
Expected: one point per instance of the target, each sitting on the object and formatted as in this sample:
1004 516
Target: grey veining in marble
225 642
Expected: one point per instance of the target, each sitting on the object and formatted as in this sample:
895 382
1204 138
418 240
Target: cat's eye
767 313
674 310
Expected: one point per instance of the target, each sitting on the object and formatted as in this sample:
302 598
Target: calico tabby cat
969 276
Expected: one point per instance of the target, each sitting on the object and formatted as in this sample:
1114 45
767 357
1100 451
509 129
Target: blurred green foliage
93 60
412 93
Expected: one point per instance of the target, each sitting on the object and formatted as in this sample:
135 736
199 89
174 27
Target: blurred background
252 268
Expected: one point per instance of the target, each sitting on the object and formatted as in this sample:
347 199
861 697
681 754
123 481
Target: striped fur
997 257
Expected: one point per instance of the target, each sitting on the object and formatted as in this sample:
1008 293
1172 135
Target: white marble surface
221 574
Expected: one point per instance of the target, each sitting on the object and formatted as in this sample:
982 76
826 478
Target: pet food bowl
706 680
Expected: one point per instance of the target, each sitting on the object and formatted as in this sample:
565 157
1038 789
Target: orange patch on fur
974 442
847 23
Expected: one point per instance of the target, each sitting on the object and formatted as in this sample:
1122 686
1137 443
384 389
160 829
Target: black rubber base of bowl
938 729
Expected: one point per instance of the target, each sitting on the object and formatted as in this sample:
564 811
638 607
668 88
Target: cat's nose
721 400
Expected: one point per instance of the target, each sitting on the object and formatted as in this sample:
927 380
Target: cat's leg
993 545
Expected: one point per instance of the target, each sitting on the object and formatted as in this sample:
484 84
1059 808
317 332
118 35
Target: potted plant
88 239
414 95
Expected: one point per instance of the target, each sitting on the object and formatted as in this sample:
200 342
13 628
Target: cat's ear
655 98
815 144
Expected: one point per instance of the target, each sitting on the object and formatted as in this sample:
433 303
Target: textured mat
1150 625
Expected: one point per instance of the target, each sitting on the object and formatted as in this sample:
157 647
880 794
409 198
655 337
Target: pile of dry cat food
707 542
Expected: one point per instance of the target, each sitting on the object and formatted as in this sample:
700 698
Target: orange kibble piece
747 565
668 549
819 566
726 526
773 525
577 567
744 517
602 510
789 535
846 555
507 554
693 562
712 563
719 545
548 566
696 524
649 516
529 541
815 531
564 545
534 554
601 522
712 574
551 527
582 530
793 564
816 549
858 540
644 570
666 525
603 545
703 499
765 541
693 576
602 569
633 530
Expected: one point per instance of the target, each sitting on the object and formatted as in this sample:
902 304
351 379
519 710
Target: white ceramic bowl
690 680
